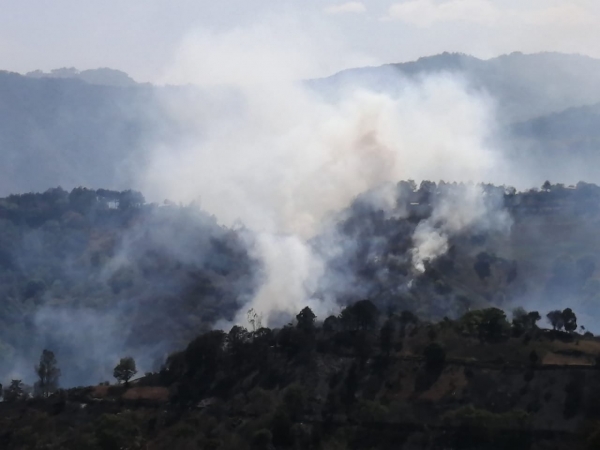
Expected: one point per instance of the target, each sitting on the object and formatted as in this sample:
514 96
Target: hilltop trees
237 344
48 374
125 370
569 320
555 319
488 324
563 319
524 321
306 319
204 353
360 316
14 392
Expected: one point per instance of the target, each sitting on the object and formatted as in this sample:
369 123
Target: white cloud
426 13
281 47
344 8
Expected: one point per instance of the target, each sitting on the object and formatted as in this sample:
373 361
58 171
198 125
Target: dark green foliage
494 327
488 324
293 340
569 320
238 342
14 392
204 353
115 432
556 320
125 370
524 321
242 390
360 316
306 319
563 319
83 200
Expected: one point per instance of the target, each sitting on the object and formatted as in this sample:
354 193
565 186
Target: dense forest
94 273
143 279
360 379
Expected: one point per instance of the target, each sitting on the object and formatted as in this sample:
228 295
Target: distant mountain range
64 131
94 127
103 76
525 86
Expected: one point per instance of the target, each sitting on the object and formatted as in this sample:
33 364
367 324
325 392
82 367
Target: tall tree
569 320
48 374
360 316
125 370
306 319
14 392
556 319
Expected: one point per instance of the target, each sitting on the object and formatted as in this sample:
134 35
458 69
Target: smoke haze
283 164
281 157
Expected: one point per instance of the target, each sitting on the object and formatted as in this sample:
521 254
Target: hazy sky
145 37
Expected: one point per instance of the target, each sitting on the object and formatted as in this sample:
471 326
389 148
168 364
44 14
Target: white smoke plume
456 210
280 157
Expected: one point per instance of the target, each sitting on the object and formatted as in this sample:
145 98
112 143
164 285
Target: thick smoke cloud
281 157
458 210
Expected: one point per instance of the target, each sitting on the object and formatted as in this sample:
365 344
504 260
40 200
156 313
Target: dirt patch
156 394
100 392
566 360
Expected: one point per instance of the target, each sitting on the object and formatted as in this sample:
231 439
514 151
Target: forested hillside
94 274
98 274
547 257
361 379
